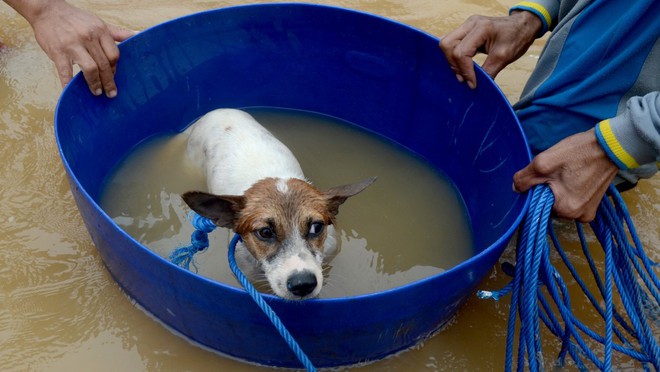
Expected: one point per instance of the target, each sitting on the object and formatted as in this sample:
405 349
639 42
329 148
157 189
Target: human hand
71 36
504 39
578 172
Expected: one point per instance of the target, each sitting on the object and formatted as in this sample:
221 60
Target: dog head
283 224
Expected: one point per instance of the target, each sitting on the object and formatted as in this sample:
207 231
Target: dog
257 188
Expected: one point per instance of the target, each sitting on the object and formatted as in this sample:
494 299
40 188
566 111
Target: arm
71 36
580 168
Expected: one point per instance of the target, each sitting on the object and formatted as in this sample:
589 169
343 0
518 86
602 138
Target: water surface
409 225
59 308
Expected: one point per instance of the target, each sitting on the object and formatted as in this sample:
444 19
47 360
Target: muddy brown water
385 234
60 310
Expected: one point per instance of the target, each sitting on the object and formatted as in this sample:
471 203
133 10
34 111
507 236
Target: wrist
31 10
608 135
530 24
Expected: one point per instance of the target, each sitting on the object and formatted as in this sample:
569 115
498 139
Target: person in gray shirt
591 108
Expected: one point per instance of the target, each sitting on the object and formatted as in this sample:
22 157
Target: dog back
234 151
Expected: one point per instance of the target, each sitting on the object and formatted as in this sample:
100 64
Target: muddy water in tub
410 224
61 311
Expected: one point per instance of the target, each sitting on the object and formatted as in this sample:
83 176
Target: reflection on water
59 308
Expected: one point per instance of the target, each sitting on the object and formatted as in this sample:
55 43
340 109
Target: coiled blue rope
184 256
538 290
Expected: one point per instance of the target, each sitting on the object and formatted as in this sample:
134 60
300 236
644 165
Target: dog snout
302 283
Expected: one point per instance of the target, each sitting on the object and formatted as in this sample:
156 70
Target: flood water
60 310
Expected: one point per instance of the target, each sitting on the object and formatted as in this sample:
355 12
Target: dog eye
315 229
265 234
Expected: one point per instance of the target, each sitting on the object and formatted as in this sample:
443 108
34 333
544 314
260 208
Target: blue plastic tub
374 72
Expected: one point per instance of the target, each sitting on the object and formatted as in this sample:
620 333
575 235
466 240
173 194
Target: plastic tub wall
377 73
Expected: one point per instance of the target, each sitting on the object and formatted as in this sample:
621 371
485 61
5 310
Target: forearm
32 9
632 138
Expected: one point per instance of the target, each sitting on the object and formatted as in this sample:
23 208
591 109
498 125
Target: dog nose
302 283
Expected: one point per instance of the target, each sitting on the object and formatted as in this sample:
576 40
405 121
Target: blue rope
184 256
538 290
259 300
199 241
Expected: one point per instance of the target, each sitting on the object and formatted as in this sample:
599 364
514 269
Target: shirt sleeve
632 138
546 10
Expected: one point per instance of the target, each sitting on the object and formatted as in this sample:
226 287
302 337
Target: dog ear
221 209
338 195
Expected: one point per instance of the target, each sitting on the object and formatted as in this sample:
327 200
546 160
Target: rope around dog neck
199 240
259 300
625 262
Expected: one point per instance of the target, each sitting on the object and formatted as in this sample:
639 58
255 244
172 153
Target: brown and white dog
257 188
